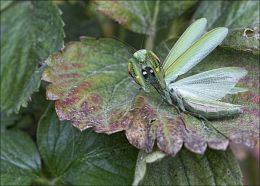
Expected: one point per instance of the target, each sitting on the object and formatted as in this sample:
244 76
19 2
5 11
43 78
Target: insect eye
150 70
144 74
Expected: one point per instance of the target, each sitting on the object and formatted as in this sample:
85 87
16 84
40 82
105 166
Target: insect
200 94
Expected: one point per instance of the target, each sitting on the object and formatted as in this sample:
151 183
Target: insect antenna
116 38
144 37
142 43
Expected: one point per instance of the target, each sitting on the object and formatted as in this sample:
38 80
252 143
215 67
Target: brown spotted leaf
92 88
156 120
91 84
143 17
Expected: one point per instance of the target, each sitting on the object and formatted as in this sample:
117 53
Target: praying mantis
199 94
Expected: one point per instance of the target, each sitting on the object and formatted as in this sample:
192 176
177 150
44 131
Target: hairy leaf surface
30 31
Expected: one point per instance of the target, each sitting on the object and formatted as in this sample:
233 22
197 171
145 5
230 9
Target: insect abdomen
211 109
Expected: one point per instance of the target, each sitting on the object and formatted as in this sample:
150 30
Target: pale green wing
211 109
191 34
212 84
198 51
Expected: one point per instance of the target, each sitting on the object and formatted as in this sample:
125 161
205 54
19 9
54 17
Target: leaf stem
149 43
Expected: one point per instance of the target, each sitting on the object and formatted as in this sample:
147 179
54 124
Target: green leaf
84 158
7 121
30 31
213 168
27 118
239 16
145 17
20 160
244 39
232 14
5 4
92 88
79 20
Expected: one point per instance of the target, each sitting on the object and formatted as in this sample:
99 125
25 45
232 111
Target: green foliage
213 168
5 4
93 92
241 17
145 17
83 19
20 160
38 32
232 14
76 158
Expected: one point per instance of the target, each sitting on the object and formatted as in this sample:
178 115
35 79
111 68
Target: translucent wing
198 51
212 84
191 34
210 108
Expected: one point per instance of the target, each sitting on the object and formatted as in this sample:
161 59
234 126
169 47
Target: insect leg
195 115
234 98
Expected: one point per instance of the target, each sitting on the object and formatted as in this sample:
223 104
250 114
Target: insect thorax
146 70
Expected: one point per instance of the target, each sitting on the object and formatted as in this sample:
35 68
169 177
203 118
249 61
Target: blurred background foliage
81 18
